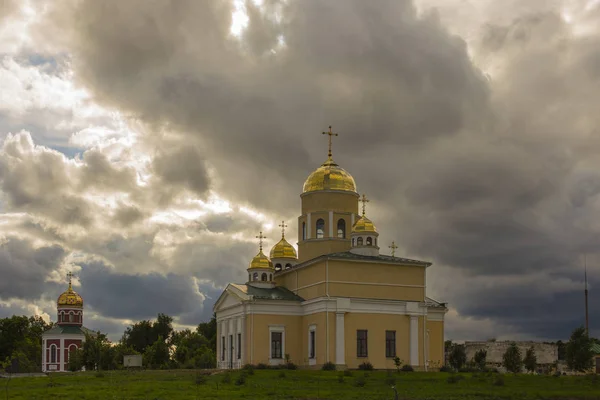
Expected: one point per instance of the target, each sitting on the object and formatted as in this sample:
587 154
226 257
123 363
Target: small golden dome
329 176
70 298
261 261
283 250
364 225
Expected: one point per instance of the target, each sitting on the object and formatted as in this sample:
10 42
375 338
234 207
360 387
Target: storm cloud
470 127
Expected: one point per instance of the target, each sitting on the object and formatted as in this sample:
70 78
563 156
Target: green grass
296 385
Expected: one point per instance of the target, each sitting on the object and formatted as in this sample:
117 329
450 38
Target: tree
458 356
530 360
143 334
511 359
209 331
157 355
480 359
21 341
579 353
561 349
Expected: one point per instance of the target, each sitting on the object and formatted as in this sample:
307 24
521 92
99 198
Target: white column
414 340
308 226
218 352
61 367
44 355
330 224
340 356
243 344
351 221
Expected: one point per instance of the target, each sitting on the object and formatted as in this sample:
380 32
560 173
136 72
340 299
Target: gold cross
330 135
260 238
393 247
364 202
283 226
69 275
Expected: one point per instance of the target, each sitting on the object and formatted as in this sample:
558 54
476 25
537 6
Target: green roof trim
276 293
69 330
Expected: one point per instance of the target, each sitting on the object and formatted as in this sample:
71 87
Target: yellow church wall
376 325
319 320
436 343
328 200
376 292
257 329
309 249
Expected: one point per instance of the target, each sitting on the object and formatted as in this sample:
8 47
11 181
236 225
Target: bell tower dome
260 270
329 209
70 306
364 234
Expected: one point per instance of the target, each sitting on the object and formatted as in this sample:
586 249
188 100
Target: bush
445 368
328 366
261 366
480 359
499 381
226 378
360 381
454 378
249 368
241 380
347 372
291 365
458 357
366 366
407 368
530 360
200 379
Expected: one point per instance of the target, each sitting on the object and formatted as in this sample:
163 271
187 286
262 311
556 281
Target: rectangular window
361 343
239 346
222 348
276 345
311 344
390 344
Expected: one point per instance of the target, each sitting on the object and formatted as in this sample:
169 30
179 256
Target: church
337 299
67 334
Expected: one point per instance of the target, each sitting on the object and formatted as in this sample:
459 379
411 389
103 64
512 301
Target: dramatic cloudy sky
143 144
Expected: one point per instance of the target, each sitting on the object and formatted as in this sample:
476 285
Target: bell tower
329 209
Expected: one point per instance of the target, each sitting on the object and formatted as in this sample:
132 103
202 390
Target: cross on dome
260 238
69 276
330 133
283 225
393 247
364 202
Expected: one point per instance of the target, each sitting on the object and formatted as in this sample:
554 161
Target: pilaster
414 340
340 356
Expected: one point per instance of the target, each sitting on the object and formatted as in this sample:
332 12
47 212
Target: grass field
275 384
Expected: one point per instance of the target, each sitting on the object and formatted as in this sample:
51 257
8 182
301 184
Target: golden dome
364 225
329 176
70 298
260 261
283 250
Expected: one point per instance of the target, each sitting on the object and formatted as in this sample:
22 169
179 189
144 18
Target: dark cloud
25 268
117 295
483 162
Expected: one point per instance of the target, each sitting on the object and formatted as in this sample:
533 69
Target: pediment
227 299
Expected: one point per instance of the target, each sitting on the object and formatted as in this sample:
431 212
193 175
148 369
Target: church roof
69 330
276 293
432 303
382 257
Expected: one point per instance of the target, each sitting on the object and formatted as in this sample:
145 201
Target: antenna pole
586 295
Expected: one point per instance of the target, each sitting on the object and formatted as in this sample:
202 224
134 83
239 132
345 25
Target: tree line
577 353
159 344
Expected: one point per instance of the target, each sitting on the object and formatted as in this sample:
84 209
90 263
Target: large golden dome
261 261
283 250
70 298
365 225
329 176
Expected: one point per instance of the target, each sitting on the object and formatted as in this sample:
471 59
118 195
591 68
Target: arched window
353 242
249 277
263 277
288 266
277 267
255 276
72 348
342 228
359 241
369 241
304 231
71 317
53 353
320 228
